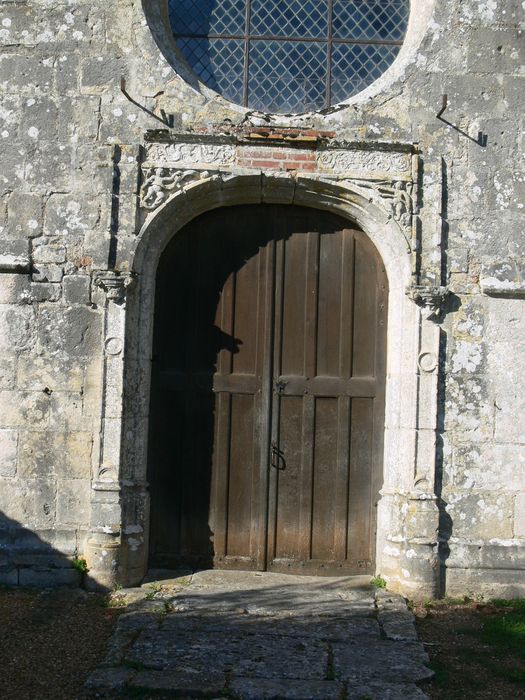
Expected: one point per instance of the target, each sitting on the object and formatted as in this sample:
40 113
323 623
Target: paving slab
258 636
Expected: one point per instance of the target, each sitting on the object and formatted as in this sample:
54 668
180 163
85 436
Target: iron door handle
277 458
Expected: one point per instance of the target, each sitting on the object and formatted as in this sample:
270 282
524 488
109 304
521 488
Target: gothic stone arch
406 550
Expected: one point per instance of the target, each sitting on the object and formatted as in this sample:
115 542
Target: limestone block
39 119
473 515
77 289
96 248
519 515
494 51
25 214
47 273
20 408
505 320
489 583
73 501
93 387
14 288
49 253
23 75
469 404
99 73
79 115
66 412
45 453
498 554
45 291
7 371
38 372
506 371
8 452
49 577
67 69
488 466
66 214
30 503
74 332
49 168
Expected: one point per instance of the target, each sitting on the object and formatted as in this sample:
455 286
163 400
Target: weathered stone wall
71 209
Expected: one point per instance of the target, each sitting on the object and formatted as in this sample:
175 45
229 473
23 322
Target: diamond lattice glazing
289 55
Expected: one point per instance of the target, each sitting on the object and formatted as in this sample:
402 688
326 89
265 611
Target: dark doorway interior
267 393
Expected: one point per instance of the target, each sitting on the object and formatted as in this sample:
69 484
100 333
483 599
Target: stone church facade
111 147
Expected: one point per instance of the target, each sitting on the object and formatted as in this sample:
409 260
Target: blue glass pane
219 63
293 18
370 19
207 16
356 66
286 76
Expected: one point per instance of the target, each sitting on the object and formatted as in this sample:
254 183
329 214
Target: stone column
105 553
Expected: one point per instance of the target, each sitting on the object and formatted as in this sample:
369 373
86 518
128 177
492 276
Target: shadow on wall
26 559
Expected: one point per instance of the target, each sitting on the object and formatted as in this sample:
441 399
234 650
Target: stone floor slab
284 689
259 635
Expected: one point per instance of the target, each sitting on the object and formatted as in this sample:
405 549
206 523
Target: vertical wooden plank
293 310
359 499
342 479
241 469
288 487
346 321
324 479
363 356
311 305
329 317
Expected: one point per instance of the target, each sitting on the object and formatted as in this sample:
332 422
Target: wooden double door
267 393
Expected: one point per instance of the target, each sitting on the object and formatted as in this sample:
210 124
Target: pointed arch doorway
267 402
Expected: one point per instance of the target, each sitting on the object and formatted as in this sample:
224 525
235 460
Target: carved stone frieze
160 182
359 161
190 153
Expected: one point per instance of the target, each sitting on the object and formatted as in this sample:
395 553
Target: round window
286 56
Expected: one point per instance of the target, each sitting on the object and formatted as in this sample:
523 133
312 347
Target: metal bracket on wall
166 119
482 139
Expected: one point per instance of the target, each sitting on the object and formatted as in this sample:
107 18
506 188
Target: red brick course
270 158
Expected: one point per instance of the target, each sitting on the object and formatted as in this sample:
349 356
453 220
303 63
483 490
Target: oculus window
287 56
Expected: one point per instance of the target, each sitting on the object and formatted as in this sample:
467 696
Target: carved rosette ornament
430 298
115 284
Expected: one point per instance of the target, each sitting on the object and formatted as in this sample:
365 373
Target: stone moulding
14 263
503 278
378 206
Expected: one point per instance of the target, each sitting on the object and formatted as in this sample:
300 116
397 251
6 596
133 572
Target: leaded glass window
289 55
